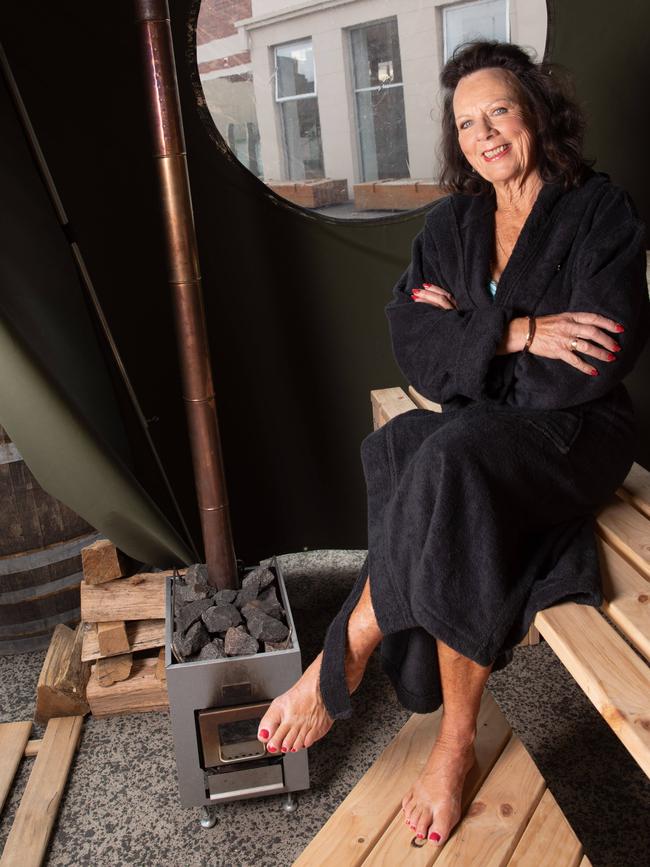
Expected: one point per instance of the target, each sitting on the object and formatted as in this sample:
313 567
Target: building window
295 93
379 98
482 19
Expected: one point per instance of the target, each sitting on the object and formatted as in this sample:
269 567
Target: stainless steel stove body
216 706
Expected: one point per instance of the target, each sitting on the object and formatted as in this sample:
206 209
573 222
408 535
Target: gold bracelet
530 334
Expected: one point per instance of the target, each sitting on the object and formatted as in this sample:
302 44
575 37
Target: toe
299 742
277 737
423 823
434 834
269 723
415 817
289 739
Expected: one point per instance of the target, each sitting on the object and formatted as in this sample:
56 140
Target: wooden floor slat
499 814
627 531
636 489
397 845
627 597
613 677
549 840
36 813
353 830
13 740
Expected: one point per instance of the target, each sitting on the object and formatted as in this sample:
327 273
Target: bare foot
433 804
298 718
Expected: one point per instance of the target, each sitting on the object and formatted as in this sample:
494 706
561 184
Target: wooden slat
627 597
13 740
141 635
627 531
388 403
636 489
613 677
374 805
549 840
33 747
498 815
36 813
423 402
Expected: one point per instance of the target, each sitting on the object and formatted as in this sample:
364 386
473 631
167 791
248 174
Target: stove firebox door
229 734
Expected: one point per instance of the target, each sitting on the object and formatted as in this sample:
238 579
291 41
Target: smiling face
491 125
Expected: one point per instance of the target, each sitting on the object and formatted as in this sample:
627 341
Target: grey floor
120 806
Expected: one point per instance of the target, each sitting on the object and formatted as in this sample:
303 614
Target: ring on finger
574 343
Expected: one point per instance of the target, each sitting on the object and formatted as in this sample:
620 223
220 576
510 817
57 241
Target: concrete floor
120 806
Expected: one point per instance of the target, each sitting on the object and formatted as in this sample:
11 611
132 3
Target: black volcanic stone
247 594
186 644
213 650
190 613
184 594
266 628
261 575
219 618
273 609
239 642
224 596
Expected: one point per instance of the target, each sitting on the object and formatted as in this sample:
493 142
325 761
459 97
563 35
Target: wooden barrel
40 560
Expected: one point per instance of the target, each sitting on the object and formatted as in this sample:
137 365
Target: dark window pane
382 134
302 142
375 52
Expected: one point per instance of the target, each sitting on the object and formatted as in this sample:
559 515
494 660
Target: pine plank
13 741
626 597
36 813
627 531
387 403
102 561
139 693
423 402
140 597
398 844
636 489
499 814
614 678
32 748
140 634
112 669
549 840
372 810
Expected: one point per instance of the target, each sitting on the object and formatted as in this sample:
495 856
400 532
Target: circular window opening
334 104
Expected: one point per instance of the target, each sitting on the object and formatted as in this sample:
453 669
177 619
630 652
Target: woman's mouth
496 153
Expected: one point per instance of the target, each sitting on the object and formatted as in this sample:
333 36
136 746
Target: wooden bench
509 816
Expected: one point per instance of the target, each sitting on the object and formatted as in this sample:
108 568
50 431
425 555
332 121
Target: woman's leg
298 718
433 804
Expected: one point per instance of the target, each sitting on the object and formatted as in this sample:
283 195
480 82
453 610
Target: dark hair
550 111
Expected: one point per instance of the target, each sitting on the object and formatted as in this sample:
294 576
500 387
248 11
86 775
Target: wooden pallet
37 811
606 655
510 817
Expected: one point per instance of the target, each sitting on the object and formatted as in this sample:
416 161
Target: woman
524 306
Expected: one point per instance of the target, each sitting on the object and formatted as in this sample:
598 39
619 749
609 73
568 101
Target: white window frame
311 95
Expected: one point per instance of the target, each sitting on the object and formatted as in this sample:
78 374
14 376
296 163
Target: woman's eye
501 108
464 124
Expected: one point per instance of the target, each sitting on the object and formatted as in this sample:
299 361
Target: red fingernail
611 356
617 348
619 327
593 372
264 733
434 836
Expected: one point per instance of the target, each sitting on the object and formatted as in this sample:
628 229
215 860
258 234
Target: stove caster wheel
291 804
208 817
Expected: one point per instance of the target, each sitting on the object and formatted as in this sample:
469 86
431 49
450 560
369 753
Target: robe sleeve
609 278
442 353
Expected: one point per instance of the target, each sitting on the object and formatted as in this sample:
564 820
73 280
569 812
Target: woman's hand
436 295
554 333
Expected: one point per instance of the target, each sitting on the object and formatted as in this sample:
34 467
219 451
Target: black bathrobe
484 514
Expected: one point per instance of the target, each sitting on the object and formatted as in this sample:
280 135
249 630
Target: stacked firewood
123 618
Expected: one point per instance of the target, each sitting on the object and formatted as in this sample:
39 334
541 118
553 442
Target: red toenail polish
434 836
420 836
271 749
284 749
293 749
264 733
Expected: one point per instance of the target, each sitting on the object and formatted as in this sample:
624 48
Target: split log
141 597
139 693
102 562
140 635
112 638
112 669
61 689
161 674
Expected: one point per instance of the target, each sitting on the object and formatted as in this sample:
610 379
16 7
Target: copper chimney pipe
185 282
